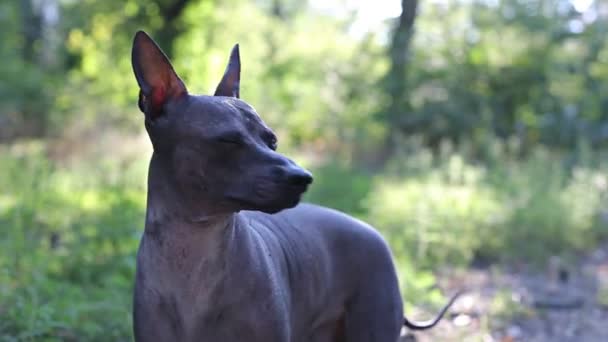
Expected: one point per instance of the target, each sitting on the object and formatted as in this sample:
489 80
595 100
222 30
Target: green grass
68 251
70 233
515 209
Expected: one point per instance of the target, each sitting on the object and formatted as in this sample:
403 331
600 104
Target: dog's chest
220 314
212 299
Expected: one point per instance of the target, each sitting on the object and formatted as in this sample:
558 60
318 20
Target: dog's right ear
158 82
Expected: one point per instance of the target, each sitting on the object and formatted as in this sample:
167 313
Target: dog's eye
271 141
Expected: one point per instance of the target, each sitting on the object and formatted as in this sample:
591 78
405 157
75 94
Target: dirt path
559 304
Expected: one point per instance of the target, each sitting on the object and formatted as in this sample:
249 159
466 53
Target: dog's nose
299 177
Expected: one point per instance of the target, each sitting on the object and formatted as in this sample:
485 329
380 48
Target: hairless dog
228 253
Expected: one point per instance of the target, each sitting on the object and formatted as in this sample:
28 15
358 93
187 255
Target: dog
228 252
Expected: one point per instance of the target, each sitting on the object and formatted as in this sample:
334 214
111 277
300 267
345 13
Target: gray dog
227 253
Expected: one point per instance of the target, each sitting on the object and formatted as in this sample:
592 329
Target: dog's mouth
270 200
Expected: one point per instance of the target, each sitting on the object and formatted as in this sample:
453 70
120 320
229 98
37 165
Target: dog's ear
229 85
158 82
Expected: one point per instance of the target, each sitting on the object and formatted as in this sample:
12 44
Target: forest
473 134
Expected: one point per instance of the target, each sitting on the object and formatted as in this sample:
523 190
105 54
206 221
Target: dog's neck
174 228
167 203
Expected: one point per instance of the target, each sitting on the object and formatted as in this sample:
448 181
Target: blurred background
472 133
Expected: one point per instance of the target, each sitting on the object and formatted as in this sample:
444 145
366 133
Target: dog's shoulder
330 218
333 225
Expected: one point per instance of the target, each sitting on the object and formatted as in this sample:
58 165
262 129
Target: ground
567 301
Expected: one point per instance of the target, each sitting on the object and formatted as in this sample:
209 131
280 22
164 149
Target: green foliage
485 161
457 210
507 68
67 261
340 187
68 250
438 217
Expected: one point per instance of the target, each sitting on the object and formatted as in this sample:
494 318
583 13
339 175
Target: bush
525 209
442 216
552 210
341 187
68 249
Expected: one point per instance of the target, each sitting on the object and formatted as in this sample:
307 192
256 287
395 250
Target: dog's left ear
229 85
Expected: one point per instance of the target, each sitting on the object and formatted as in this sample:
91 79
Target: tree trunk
31 21
395 81
170 12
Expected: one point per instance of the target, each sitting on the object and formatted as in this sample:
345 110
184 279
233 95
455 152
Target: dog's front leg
154 318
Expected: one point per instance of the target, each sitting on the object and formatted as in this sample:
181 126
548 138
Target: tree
395 83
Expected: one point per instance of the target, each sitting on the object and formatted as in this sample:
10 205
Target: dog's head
216 151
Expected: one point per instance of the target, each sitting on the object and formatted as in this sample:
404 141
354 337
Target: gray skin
227 253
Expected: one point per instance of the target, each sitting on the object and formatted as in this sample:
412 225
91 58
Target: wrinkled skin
227 253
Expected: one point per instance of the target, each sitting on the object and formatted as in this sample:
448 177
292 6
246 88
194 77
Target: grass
68 253
458 210
70 233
